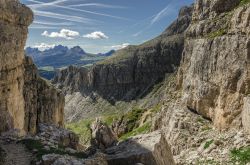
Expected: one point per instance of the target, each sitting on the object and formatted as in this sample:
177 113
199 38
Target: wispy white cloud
39 4
163 13
96 35
55 4
34 26
63 17
98 5
64 33
156 17
121 46
43 46
53 23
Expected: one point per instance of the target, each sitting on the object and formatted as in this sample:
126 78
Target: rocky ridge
129 74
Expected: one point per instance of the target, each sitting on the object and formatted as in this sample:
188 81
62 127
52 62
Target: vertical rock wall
18 81
214 72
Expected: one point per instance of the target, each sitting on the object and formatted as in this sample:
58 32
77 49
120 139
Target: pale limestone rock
214 73
102 136
148 149
246 114
25 99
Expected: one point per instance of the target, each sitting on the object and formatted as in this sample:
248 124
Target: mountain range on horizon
61 56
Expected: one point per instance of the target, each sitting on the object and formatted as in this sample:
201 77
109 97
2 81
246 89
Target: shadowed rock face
25 99
130 72
214 72
43 103
148 149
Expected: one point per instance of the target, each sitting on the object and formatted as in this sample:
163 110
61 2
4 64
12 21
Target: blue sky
99 25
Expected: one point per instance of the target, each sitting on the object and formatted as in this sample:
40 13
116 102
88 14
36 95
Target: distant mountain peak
78 49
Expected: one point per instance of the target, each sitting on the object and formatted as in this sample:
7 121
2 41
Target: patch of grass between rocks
208 143
145 128
240 156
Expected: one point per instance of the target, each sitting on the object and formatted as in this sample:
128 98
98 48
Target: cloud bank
124 45
96 35
44 46
64 33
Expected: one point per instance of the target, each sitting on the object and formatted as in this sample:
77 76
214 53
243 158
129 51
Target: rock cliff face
214 72
130 72
25 99
43 103
213 80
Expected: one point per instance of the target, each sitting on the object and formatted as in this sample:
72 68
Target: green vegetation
109 119
206 128
37 145
132 118
156 108
82 129
241 156
244 2
208 143
217 33
145 128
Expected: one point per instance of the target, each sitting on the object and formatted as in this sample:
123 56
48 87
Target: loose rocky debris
13 153
53 136
194 139
56 146
55 159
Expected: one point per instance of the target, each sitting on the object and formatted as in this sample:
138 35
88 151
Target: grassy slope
139 117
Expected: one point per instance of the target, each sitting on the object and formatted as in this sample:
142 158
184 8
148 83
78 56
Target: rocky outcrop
53 136
148 149
25 99
214 72
43 103
14 20
102 136
131 72
73 79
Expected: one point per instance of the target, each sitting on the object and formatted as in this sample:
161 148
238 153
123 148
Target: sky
99 25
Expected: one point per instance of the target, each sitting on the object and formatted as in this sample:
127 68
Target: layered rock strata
214 72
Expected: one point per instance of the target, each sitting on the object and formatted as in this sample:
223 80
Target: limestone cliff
25 99
130 72
214 72
128 75
43 103
213 80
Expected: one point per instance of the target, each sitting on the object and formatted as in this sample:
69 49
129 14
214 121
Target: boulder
102 136
148 149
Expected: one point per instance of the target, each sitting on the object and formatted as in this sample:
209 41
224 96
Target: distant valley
59 57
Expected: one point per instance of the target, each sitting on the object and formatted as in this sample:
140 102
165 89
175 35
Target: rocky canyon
180 98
